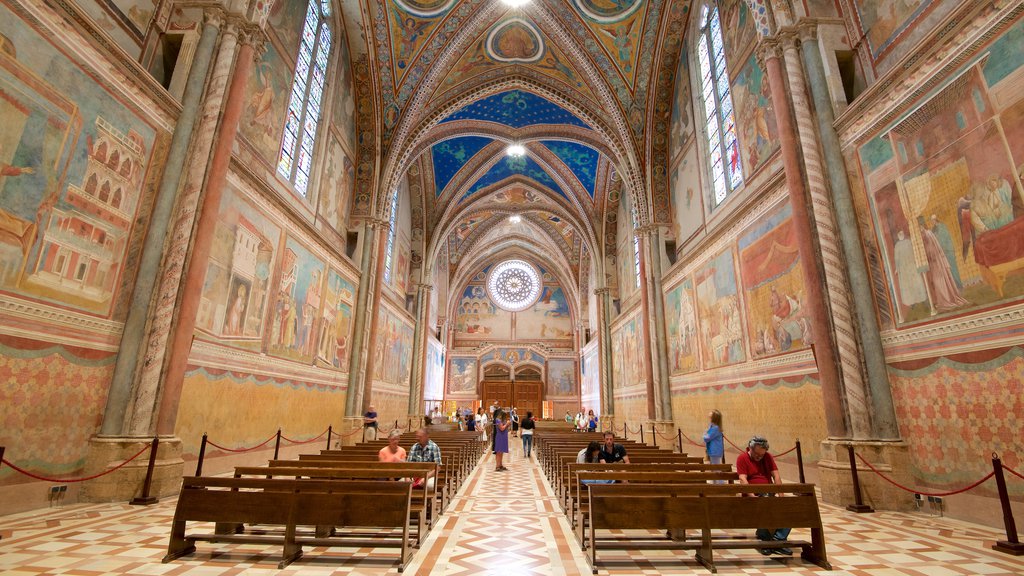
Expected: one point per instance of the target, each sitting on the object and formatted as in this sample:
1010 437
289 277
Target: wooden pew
422 502
292 503
702 507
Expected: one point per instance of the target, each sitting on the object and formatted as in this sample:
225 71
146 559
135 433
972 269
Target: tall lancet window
307 91
723 149
636 252
389 250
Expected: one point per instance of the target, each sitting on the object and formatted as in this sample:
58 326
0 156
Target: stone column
419 355
881 445
768 55
646 311
662 420
117 441
833 260
604 353
251 43
361 366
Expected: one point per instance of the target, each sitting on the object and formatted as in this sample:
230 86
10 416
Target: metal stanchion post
679 436
800 460
277 444
642 439
858 505
145 499
1012 544
330 430
202 456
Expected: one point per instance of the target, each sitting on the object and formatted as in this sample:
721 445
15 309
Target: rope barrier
934 494
786 452
1014 472
310 441
73 480
690 440
669 437
733 445
240 450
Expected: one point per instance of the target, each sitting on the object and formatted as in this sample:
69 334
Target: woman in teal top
714 441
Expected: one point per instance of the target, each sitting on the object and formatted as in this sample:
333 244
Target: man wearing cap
756 466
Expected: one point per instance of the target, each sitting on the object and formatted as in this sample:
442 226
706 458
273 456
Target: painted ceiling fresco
451 155
517 109
508 167
617 26
580 158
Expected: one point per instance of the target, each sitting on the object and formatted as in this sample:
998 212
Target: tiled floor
505 524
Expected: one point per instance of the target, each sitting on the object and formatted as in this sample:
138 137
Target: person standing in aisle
501 425
515 422
528 426
481 423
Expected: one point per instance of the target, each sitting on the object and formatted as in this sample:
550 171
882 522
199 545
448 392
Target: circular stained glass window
514 285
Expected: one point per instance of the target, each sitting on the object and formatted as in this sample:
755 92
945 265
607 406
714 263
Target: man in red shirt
756 466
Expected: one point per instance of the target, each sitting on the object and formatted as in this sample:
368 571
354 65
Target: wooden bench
419 509
702 507
293 504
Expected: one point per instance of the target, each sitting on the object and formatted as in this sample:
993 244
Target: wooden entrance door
500 390
527 397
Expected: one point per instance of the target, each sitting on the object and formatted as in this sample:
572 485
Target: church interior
235 234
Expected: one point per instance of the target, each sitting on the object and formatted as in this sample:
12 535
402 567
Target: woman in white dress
481 423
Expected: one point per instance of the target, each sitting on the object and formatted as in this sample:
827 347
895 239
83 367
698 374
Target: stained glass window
514 285
307 91
723 149
636 252
389 250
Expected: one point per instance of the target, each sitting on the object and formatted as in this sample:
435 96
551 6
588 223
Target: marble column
251 39
659 342
604 352
133 336
828 371
883 414
419 353
646 312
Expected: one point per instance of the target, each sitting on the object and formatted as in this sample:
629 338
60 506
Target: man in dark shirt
612 452
756 466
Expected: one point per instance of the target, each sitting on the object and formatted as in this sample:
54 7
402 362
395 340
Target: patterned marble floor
504 523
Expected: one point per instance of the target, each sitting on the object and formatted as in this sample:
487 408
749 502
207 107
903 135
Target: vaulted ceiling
455 82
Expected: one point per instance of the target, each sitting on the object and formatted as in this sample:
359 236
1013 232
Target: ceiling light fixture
515 150
515 218
515 3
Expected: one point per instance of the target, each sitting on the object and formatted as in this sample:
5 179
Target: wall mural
74 164
266 104
561 378
336 321
336 186
754 116
236 290
476 317
681 324
393 349
884 20
462 377
738 29
590 380
773 286
433 386
548 319
297 299
627 361
945 191
718 307
285 23
688 208
343 115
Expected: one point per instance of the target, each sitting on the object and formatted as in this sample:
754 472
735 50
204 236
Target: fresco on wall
73 167
590 376
285 22
297 300
627 362
624 264
476 317
561 378
336 321
139 12
343 116
738 31
773 286
945 191
237 285
400 272
681 323
754 116
462 376
548 319
686 198
682 110
393 350
265 105
884 20
718 308
433 386
336 186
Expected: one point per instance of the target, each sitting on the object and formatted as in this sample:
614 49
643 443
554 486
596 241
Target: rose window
514 285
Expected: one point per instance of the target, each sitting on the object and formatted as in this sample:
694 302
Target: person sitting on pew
612 452
392 452
424 450
592 454
756 466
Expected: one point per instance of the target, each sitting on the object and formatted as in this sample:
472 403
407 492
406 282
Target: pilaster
890 458
604 353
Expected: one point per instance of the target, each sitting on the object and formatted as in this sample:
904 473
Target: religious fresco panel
687 203
393 349
945 192
738 30
626 351
236 289
462 375
681 325
75 169
298 295
891 27
722 340
755 119
477 318
561 379
433 386
590 380
336 186
266 104
548 319
773 286
344 97
335 325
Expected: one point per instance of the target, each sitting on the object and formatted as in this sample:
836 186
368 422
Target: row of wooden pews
337 498
660 494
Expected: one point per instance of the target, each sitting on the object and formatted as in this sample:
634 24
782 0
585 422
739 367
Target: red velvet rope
240 450
669 437
731 444
1014 472
912 491
786 452
73 480
690 440
310 441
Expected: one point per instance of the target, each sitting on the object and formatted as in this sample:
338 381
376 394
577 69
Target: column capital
789 37
250 34
647 229
602 291
766 49
427 288
377 223
807 29
214 16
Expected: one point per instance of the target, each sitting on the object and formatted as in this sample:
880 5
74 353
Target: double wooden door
524 395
